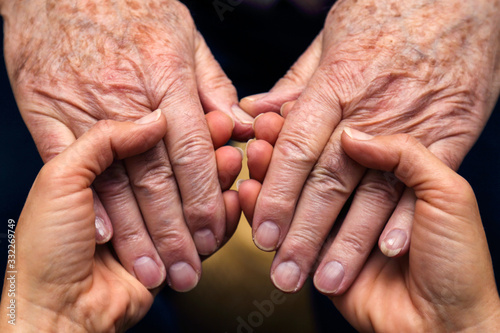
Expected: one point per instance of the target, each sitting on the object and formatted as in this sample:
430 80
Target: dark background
255 46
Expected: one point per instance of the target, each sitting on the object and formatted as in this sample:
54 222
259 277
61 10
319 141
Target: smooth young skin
426 68
72 63
445 283
64 282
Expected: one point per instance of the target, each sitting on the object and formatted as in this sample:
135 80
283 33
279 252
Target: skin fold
426 68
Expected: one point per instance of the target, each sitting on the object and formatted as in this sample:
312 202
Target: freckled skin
72 63
399 65
428 68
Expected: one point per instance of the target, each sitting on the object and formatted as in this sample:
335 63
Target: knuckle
103 127
276 202
154 179
406 140
304 244
127 235
171 242
201 213
297 148
329 176
113 182
355 243
192 150
155 174
381 190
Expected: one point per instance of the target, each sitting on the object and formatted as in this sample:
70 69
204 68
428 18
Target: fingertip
357 135
149 118
103 226
220 126
229 163
182 277
259 154
233 212
286 108
250 103
268 127
248 193
394 243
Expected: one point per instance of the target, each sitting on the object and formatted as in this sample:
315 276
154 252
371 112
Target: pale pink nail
393 243
286 276
152 117
267 236
182 277
205 241
148 272
330 277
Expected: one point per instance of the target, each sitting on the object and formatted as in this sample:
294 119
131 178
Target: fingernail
238 183
102 234
253 98
241 116
182 277
248 144
267 236
205 241
287 276
284 105
255 120
393 243
150 118
357 135
240 151
148 272
328 280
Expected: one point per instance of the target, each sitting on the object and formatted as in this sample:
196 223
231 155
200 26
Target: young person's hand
445 282
63 281
426 68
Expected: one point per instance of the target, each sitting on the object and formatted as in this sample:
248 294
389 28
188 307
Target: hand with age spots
72 63
427 68
64 282
445 283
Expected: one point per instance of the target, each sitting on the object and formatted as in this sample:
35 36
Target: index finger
306 131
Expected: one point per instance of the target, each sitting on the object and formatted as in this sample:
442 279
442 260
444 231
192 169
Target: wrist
489 322
20 315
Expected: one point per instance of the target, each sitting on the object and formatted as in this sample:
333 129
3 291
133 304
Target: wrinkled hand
446 283
427 68
64 282
74 63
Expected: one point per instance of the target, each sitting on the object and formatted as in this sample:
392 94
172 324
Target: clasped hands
371 68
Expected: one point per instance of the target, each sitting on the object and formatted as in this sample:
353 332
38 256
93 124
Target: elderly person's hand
74 63
428 68
446 282
63 281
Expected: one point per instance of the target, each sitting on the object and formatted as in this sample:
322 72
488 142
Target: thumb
290 86
57 216
413 164
94 151
217 92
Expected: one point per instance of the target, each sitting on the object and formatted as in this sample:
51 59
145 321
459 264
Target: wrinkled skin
427 68
74 63
64 283
446 282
